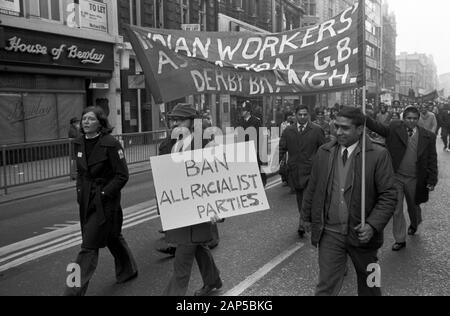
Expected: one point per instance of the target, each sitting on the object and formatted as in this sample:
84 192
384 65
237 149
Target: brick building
140 113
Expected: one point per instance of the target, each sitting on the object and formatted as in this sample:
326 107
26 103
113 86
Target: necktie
345 156
410 132
301 128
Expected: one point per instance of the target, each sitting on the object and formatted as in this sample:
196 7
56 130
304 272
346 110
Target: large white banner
93 15
193 186
11 7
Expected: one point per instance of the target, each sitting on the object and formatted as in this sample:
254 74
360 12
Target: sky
424 27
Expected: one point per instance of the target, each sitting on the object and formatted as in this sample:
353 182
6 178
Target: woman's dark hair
411 109
354 114
105 127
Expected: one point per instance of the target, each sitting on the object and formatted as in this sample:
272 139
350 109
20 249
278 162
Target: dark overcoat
381 197
302 147
99 183
396 135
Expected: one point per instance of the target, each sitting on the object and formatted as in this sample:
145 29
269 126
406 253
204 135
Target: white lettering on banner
269 43
245 52
86 57
222 180
204 49
227 51
165 60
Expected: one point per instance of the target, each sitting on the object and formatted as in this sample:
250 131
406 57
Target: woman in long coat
102 173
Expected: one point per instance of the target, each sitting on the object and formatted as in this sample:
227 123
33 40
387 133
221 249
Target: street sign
136 82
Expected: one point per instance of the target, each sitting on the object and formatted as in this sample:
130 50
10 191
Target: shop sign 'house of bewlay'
43 82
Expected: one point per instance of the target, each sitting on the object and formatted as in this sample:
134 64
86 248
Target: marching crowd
320 160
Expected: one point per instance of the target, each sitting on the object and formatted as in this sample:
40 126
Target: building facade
418 74
258 16
140 113
444 84
388 69
56 58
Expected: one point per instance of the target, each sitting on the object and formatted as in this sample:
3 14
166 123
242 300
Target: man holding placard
191 241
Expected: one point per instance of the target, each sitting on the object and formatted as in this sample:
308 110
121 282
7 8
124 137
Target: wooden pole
363 173
362 20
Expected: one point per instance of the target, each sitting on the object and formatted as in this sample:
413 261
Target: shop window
33 117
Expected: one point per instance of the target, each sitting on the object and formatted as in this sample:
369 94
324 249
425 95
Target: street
258 255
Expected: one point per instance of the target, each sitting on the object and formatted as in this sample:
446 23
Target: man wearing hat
248 120
192 241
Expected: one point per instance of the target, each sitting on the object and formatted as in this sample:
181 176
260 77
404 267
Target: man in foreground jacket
192 241
414 157
332 205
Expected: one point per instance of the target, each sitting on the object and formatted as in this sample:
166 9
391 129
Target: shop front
47 79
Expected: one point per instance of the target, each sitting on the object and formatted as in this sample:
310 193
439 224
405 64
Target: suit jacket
397 142
381 196
301 147
106 171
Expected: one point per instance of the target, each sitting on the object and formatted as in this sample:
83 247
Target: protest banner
320 58
193 186
430 97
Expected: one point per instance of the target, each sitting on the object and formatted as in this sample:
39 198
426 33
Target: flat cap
183 110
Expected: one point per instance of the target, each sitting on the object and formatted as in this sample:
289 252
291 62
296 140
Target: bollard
4 169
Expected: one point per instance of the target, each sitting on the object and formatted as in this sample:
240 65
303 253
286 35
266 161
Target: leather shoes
412 231
398 246
167 251
208 289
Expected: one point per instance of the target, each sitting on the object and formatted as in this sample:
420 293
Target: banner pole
362 8
363 175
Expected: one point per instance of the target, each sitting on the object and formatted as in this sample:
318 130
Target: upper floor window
185 11
50 10
330 8
310 7
202 15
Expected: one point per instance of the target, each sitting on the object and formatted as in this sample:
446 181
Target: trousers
333 253
87 260
406 189
182 268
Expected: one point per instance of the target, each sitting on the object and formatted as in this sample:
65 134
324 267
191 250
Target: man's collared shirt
301 126
350 149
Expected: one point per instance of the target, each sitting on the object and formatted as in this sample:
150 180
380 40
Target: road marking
263 271
72 236
77 234
60 247
128 212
